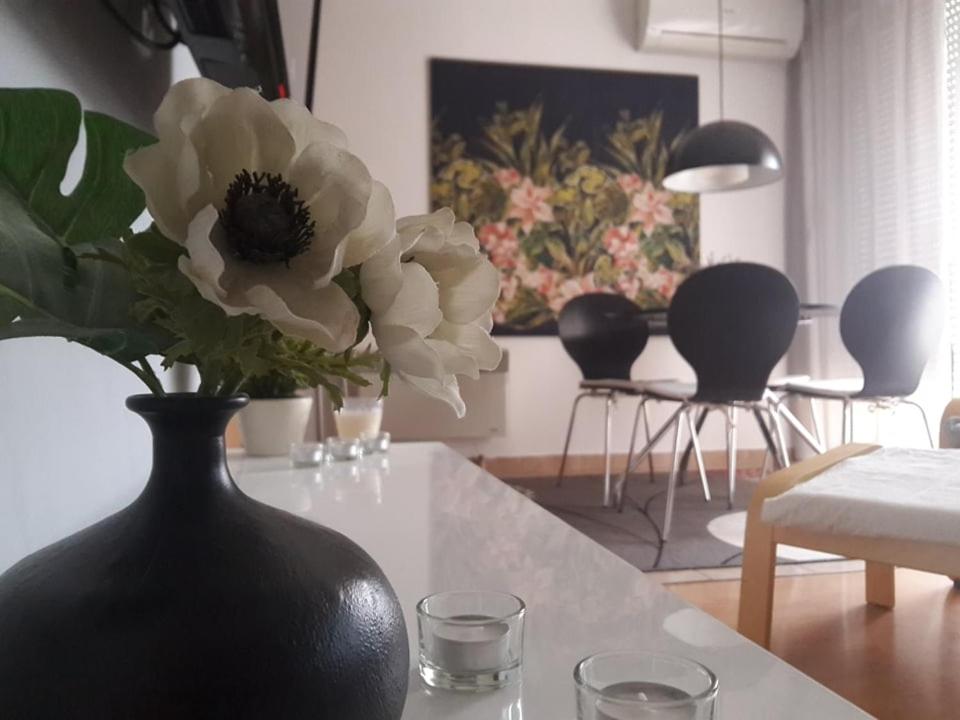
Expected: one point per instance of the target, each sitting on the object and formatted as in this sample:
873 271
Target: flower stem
146 374
154 383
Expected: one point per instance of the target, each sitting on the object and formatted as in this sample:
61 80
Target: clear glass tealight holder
635 685
378 443
306 454
471 641
337 449
359 418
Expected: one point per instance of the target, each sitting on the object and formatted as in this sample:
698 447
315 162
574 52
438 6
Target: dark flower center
264 221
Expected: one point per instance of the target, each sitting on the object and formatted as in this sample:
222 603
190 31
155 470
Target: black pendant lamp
723 155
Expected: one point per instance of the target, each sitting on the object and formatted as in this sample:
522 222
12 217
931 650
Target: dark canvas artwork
560 172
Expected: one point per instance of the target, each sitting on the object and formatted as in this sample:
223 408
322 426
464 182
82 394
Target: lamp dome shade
723 155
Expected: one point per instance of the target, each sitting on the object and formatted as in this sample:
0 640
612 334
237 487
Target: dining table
434 521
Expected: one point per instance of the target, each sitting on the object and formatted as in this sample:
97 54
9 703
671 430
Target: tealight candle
470 640
359 418
609 687
471 648
641 692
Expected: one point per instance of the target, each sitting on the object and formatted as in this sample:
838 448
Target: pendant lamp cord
720 50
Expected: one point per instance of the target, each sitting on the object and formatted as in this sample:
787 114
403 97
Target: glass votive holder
378 443
470 641
634 685
337 449
308 454
359 418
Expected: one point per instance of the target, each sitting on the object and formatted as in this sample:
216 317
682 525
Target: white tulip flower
268 203
431 293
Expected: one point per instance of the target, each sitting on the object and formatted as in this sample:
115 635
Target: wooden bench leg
756 585
880 584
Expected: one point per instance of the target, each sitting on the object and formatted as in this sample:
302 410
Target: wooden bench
882 555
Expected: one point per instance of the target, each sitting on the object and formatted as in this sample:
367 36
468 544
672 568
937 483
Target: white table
434 521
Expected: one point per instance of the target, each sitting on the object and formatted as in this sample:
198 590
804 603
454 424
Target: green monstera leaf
59 275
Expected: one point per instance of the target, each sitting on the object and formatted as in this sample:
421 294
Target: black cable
137 35
312 55
720 49
161 18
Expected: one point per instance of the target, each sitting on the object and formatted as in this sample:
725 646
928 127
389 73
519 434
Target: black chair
604 334
732 323
890 323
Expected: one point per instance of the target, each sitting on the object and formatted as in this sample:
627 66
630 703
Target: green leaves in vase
45 233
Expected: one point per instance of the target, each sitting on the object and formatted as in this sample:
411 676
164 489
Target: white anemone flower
268 203
431 293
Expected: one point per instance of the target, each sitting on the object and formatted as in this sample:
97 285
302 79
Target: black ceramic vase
198 602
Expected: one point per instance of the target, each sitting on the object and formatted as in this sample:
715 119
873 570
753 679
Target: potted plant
272 253
276 415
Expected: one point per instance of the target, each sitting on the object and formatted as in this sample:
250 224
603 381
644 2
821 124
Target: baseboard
582 465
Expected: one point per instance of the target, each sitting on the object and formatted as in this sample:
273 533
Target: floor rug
704 535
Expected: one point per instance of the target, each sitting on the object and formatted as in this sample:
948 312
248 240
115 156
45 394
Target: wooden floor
902 663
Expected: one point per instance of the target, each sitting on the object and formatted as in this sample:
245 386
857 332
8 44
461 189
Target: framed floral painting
560 172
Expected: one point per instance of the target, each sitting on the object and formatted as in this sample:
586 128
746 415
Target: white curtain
865 169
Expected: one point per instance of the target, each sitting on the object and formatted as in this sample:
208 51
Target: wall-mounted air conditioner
770 29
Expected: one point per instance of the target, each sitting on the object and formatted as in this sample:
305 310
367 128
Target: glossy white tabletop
434 521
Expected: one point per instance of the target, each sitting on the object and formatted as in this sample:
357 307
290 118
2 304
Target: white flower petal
454 361
407 351
464 235
417 305
381 277
472 340
324 316
305 127
240 131
467 291
205 260
427 231
184 105
376 230
446 389
335 186
155 166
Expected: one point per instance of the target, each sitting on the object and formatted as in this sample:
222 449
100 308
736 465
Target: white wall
70 452
372 80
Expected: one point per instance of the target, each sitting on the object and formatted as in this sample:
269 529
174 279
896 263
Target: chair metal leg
731 455
923 415
781 438
607 432
815 422
778 406
685 461
566 445
621 488
646 431
674 473
641 408
698 453
847 420
772 450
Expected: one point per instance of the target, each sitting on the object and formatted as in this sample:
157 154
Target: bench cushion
890 493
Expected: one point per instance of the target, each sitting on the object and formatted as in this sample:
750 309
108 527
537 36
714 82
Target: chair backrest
733 323
604 334
890 323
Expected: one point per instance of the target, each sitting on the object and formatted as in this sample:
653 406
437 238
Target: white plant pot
270 426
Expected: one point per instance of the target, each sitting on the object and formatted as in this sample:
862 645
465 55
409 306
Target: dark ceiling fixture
723 155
